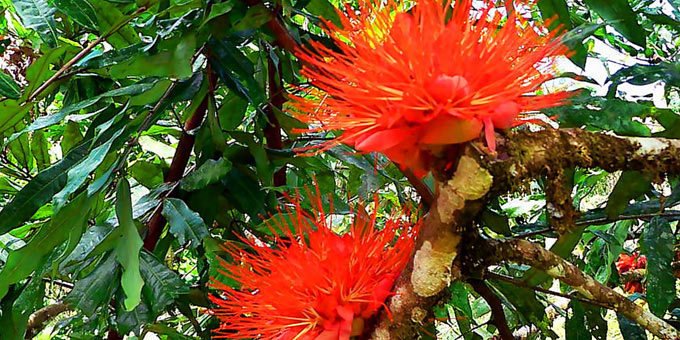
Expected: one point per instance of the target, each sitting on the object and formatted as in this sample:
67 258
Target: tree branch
178 165
37 320
497 314
525 252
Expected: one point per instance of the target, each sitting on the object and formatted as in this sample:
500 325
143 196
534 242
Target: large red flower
313 283
405 82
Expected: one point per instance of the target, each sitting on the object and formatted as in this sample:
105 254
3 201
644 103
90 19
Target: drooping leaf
185 224
38 191
657 243
40 150
161 285
128 248
95 290
8 87
23 261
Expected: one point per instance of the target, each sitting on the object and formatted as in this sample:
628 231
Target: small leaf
657 243
96 289
39 16
185 224
40 150
212 171
128 247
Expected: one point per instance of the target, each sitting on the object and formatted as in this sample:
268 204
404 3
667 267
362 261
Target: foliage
182 99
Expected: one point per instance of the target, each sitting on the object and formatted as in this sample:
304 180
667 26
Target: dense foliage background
119 115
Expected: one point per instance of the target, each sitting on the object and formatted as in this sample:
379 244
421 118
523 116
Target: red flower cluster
314 283
627 263
406 82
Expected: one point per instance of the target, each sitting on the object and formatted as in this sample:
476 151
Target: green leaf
185 224
630 330
17 309
212 171
595 323
244 192
81 11
96 289
21 150
172 63
133 320
620 15
527 304
40 150
78 174
128 247
657 242
8 87
162 285
23 261
38 191
39 16
148 174
325 10
631 185
574 326
219 9
108 16
71 137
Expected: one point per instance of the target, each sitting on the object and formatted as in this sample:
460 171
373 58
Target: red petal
449 130
383 140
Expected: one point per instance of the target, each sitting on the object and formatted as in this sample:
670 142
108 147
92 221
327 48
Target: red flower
314 283
405 83
627 263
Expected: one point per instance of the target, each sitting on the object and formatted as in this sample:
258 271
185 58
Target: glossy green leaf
20 148
657 243
128 248
574 326
108 17
161 285
95 290
185 224
39 16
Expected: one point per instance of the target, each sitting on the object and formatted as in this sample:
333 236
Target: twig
178 165
83 53
497 315
423 190
520 283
